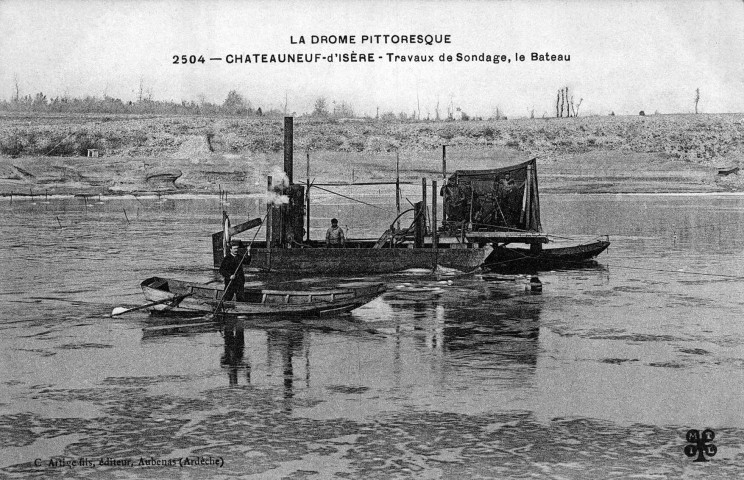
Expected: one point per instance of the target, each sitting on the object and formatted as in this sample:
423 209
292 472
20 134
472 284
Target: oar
122 310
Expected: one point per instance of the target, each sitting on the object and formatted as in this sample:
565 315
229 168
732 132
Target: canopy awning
497 199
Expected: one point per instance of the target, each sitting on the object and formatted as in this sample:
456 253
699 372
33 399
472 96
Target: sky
625 56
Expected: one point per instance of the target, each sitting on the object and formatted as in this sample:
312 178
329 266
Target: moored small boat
728 171
200 298
519 259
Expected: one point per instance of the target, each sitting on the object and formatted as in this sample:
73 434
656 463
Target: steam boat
484 213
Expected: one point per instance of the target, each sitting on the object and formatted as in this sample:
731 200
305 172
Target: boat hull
505 259
366 260
203 298
361 260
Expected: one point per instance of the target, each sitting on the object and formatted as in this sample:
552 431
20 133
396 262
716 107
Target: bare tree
576 111
697 98
561 103
17 97
418 104
40 100
564 104
343 109
235 103
557 104
321 107
436 110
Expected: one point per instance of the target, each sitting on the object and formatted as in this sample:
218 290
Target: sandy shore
587 173
674 153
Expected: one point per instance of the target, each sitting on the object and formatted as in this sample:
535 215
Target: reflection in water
488 320
436 337
475 323
507 334
232 357
286 344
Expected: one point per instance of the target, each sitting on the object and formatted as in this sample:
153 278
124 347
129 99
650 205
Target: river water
600 376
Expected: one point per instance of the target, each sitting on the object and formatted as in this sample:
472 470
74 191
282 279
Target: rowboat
509 259
723 171
183 297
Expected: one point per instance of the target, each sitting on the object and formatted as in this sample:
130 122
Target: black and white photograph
371 240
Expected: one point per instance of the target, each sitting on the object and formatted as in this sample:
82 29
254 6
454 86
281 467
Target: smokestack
288 148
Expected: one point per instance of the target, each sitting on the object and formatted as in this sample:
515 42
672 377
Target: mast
307 200
397 185
269 219
285 223
444 184
444 162
423 200
434 233
289 147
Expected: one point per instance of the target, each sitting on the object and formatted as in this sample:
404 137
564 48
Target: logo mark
700 444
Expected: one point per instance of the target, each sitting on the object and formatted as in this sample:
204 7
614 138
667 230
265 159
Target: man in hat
232 269
335 235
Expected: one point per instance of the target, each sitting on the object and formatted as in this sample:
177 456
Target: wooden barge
484 213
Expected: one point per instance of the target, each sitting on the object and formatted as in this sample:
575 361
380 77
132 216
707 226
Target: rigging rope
344 196
523 257
675 229
738 277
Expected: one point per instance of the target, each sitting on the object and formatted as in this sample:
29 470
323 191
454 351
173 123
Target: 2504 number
187 59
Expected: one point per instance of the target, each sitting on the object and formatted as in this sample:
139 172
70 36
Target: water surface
600 376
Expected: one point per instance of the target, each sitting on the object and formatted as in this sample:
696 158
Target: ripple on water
694 351
144 381
347 389
667 364
80 346
618 361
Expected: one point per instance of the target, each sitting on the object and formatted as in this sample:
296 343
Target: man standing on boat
232 269
335 235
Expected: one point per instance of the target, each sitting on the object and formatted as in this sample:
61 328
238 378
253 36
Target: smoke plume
271 197
279 179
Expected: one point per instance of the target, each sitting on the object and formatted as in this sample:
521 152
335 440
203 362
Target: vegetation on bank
700 138
234 104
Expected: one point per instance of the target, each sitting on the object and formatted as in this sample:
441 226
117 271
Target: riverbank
659 153
582 173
